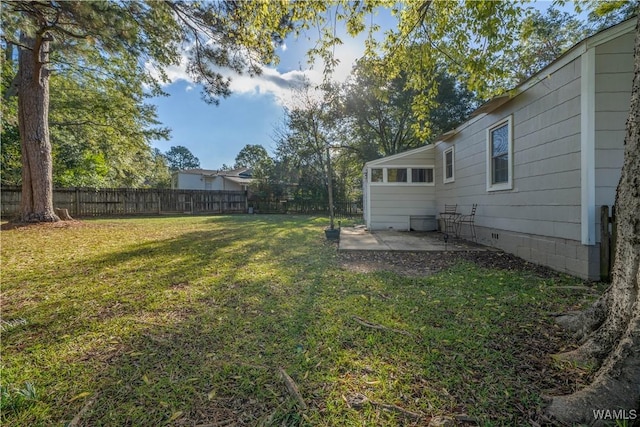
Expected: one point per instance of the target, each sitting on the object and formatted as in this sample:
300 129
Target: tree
179 158
478 38
251 156
135 34
610 329
542 39
304 145
380 110
100 127
157 174
10 146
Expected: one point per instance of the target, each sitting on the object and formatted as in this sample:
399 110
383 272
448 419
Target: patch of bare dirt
418 264
41 225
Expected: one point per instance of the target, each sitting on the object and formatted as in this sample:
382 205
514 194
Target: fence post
614 238
605 248
77 212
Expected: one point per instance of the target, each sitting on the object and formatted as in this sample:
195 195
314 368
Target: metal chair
449 217
468 219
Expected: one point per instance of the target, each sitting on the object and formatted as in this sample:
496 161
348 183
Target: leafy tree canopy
180 158
251 156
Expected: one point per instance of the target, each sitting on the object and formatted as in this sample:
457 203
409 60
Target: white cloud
273 82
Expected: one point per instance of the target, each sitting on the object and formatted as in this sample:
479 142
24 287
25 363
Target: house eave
398 156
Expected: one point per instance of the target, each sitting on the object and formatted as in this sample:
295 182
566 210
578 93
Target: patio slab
360 239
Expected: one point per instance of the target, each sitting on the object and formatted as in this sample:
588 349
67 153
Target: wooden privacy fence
86 202
608 237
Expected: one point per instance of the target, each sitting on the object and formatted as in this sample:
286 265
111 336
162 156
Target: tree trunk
330 188
616 342
33 122
63 214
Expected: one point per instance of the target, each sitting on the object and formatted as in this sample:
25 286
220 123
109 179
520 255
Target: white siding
187 181
540 218
219 183
614 74
392 205
545 199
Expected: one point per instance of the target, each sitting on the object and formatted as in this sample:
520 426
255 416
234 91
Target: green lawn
187 320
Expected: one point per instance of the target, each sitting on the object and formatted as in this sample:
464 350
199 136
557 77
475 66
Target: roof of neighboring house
238 180
244 173
240 172
196 171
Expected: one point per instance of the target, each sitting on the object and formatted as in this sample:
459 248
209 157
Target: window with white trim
402 175
448 161
500 156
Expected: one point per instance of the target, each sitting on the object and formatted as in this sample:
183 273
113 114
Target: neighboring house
203 179
538 162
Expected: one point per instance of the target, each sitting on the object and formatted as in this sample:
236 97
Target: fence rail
87 202
342 209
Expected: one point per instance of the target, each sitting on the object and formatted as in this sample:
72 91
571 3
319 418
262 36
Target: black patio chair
449 217
470 220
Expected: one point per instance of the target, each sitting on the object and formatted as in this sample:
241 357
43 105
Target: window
448 165
397 175
422 175
500 156
407 175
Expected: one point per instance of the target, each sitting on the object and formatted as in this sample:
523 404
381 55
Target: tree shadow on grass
192 328
136 308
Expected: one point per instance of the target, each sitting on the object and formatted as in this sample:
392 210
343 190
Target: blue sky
215 134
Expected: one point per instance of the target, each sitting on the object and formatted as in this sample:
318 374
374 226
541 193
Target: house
203 179
539 162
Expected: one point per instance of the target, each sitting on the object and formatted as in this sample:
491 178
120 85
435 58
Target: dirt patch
40 225
418 264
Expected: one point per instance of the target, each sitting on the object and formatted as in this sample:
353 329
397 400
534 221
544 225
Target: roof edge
399 155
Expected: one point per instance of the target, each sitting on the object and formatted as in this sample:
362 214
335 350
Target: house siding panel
392 205
187 181
614 74
540 217
544 205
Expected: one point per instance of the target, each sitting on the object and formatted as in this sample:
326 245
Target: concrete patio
360 239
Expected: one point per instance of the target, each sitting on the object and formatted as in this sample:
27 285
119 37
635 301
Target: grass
186 320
